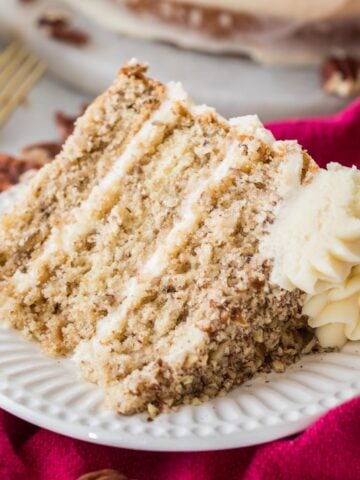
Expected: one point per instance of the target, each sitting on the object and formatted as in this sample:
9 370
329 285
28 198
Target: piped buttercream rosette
315 246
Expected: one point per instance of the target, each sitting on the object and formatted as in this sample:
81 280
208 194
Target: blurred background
278 58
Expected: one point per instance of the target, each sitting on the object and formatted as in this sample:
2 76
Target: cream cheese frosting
315 245
336 313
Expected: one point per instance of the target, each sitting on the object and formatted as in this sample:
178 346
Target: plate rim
60 427
42 412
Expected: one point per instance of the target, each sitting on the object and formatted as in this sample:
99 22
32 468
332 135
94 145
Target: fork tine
19 71
17 78
21 91
8 53
17 58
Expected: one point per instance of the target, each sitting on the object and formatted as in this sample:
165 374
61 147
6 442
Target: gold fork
19 71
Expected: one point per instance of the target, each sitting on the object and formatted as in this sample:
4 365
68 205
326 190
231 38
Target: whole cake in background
174 254
278 31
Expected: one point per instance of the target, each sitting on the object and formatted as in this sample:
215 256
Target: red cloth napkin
329 450
327 139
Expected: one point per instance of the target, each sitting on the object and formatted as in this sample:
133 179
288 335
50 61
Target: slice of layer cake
138 249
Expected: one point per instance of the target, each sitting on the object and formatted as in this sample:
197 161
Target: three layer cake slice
138 249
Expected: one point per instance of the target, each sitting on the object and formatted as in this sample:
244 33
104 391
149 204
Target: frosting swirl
336 313
315 245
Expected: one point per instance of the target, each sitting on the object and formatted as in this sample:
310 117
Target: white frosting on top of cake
315 246
251 125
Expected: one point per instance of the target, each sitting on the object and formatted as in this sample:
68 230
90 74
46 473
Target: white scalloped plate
48 393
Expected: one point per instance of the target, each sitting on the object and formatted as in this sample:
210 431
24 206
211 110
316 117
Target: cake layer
107 126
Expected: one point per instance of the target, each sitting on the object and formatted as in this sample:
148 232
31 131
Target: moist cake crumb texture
137 249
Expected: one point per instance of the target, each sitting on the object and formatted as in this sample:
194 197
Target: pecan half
341 76
104 475
11 169
74 36
57 25
53 18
